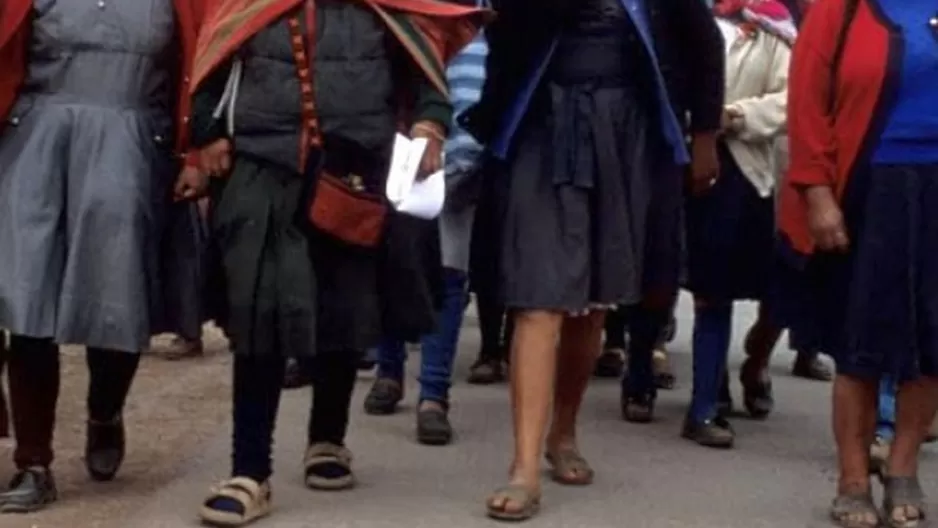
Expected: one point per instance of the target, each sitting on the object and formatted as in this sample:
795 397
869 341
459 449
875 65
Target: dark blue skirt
730 237
874 309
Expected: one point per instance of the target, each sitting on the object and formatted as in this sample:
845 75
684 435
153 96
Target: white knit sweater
757 87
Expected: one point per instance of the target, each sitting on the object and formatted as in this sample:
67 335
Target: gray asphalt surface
780 475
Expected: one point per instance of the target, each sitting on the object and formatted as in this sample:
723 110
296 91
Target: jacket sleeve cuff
191 158
808 177
433 106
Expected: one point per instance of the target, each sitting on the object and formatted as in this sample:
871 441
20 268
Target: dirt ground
174 406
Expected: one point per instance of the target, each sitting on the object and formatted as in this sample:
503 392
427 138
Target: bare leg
580 345
854 421
916 404
533 369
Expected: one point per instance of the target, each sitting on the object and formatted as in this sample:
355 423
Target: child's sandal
236 502
328 467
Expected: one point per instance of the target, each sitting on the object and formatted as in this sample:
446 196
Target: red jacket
14 34
825 146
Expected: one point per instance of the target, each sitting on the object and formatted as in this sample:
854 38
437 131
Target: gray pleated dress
590 218
86 172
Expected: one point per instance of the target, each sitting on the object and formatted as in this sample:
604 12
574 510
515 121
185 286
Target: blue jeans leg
391 357
439 348
886 417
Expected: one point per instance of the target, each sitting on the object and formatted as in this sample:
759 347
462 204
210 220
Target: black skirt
874 309
730 237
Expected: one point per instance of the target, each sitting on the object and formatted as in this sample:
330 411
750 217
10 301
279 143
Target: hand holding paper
423 198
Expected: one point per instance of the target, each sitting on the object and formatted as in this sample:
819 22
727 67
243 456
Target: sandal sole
223 519
434 439
324 484
526 514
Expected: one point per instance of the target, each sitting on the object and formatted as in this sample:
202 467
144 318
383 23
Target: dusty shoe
638 408
809 366
716 432
487 371
661 366
610 363
384 397
433 427
104 448
181 348
31 489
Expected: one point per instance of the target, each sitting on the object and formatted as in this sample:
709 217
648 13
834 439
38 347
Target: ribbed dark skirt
288 291
579 201
730 237
875 308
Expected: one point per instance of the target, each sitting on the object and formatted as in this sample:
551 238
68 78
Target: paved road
779 476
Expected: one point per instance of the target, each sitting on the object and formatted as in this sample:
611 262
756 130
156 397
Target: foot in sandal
855 510
568 466
903 502
514 502
236 502
328 467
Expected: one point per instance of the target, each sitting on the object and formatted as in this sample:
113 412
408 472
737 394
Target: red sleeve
13 58
812 137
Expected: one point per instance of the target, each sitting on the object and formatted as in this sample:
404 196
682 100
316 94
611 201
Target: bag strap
850 11
304 47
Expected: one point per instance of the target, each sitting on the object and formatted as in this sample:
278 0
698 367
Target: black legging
616 324
4 412
495 325
34 391
258 382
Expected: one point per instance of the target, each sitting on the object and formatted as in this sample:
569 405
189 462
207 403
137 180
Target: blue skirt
730 238
874 309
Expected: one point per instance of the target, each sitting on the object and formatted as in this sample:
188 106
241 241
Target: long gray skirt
83 190
579 226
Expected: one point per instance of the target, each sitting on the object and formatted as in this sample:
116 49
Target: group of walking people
599 156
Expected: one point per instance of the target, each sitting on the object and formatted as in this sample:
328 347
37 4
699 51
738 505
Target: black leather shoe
433 427
31 490
105 448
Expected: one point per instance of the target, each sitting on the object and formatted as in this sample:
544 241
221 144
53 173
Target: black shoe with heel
105 448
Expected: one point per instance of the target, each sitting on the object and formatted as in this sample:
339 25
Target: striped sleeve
465 75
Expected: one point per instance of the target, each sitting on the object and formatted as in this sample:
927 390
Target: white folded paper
424 198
